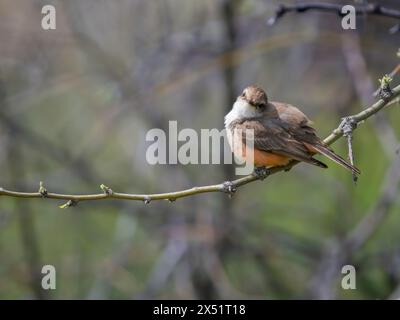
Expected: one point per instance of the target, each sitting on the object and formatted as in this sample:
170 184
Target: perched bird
281 133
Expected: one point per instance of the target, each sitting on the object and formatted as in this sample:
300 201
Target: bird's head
255 97
252 103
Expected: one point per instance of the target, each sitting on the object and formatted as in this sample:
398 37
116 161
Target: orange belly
261 158
267 159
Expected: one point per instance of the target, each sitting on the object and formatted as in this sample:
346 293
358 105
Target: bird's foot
261 172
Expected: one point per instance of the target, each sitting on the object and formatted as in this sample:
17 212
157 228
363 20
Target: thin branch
369 9
392 74
228 187
363 115
347 126
364 87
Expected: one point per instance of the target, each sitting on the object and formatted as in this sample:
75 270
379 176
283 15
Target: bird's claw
261 172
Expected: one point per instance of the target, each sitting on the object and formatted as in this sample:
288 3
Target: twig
364 87
371 9
392 74
228 187
363 115
340 252
347 126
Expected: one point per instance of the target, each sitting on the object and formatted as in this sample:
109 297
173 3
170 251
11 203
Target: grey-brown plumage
281 131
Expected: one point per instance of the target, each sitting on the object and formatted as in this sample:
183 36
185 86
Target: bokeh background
75 106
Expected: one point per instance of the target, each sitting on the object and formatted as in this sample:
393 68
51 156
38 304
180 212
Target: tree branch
371 9
228 187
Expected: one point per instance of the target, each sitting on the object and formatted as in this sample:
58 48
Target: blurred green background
75 106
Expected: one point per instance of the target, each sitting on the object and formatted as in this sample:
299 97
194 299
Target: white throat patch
241 110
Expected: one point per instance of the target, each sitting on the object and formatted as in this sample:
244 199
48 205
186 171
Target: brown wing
272 136
298 126
296 123
287 132
308 137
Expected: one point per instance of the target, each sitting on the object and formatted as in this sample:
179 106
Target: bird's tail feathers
334 157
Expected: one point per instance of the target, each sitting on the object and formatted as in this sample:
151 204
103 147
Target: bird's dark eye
243 94
261 106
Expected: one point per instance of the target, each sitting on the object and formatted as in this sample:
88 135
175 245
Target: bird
281 133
